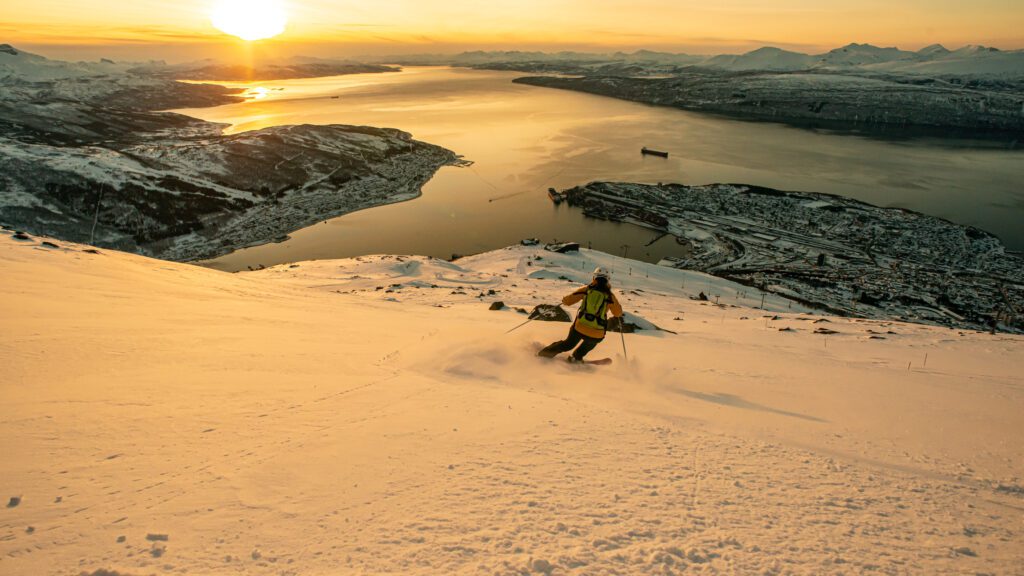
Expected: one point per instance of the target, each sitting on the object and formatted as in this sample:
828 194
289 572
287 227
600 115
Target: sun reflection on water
258 93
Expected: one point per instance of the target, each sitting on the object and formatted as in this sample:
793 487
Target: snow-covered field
163 418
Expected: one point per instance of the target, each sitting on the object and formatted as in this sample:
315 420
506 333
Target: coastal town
833 253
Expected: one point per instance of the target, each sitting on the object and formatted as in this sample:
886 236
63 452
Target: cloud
93 34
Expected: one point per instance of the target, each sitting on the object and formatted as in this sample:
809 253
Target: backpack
592 311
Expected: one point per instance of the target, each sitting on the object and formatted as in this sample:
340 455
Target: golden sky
405 26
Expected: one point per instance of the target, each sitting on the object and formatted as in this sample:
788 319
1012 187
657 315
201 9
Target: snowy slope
164 418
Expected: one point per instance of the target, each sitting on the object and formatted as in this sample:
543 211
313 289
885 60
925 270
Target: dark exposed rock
616 324
50 245
14 501
1010 489
497 305
21 236
563 247
549 313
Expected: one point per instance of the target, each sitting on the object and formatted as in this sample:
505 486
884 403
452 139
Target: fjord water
524 139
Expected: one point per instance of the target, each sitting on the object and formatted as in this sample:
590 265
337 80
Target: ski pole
622 334
528 320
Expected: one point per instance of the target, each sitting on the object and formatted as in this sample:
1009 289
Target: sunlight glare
250 19
258 93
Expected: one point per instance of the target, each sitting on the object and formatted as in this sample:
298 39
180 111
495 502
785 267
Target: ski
537 346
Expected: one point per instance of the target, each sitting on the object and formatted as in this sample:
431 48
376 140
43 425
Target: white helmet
602 272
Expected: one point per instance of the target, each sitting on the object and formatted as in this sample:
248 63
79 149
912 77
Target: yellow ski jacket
613 306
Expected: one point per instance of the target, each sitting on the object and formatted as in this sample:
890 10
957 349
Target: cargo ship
648 152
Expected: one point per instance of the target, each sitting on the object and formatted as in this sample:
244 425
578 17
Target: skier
591 320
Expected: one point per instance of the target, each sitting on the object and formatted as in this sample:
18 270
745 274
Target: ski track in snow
370 416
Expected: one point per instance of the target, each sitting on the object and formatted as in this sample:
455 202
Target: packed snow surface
374 416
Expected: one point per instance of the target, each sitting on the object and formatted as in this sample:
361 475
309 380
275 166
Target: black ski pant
569 343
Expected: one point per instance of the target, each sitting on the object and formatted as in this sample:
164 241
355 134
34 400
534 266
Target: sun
250 19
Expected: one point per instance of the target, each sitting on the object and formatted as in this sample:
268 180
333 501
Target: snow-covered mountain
375 416
17 64
935 59
853 58
966 61
767 58
861 54
933 51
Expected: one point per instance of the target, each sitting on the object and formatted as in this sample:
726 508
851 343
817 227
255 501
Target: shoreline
173 186
414 189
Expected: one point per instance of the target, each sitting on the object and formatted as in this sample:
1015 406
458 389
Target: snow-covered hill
861 54
767 58
373 415
17 64
931 60
977 61
972 61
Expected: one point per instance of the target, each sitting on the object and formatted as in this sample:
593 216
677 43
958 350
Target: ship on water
645 151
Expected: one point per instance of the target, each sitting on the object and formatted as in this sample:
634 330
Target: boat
645 151
556 196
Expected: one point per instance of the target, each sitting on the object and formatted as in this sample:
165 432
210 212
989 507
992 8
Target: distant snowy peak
767 58
966 61
861 54
975 50
933 50
23 66
934 59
